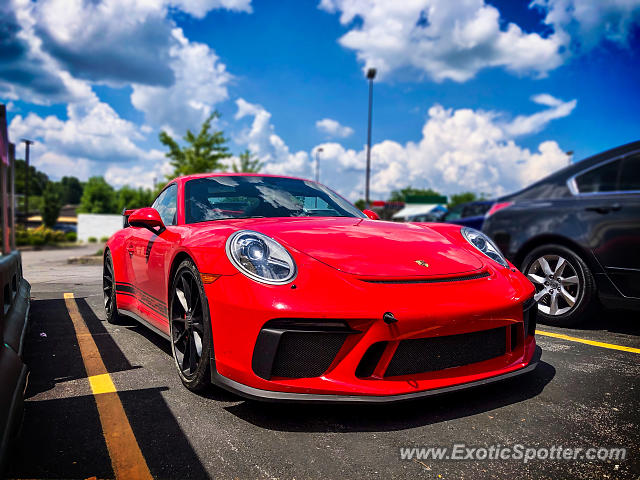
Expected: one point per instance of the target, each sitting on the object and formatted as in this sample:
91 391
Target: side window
600 179
630 174
167 205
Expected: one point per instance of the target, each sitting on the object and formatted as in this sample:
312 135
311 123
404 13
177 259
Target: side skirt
147 324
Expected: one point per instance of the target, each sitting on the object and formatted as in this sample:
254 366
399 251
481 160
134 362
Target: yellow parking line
126 457
611 346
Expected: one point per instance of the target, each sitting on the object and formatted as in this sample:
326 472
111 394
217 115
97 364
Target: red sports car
278 288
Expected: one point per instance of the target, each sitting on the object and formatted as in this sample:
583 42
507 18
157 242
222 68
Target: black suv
576 235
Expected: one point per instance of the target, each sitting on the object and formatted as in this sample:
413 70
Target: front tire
109 290
565 287
191 342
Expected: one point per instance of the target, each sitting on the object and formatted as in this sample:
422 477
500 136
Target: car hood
372 248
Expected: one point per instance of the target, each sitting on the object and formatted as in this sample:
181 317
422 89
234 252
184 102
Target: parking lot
581 395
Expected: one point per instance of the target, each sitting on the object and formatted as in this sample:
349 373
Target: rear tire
109 290
191 338
565 286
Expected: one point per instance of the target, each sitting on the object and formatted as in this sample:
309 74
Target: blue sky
471 95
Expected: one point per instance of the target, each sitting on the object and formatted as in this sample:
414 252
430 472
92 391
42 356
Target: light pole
27 143
569 155
371 74
318 150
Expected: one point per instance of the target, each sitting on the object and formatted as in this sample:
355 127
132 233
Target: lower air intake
437 353
306 354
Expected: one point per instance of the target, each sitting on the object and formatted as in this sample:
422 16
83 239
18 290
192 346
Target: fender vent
431 280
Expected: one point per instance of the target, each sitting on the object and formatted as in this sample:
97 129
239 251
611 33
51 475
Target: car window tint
600 179
239 196
166 204
630 175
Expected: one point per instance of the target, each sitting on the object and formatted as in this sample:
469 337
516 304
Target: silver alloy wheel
557 284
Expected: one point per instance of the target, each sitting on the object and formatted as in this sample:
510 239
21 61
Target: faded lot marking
610 346
126 457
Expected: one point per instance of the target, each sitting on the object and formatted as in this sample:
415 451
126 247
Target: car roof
555 184
186 178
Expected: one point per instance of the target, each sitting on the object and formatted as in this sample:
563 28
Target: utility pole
27 144
371 74
318 151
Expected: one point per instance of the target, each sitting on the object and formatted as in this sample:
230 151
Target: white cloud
199 8
459 150
58 165
200 82
260 138
333 128
444 39
588 22
55 49
526 124
136 175
92 137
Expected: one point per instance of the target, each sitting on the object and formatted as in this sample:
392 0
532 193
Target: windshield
218 198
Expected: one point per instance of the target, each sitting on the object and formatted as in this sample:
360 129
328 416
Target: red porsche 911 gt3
277 288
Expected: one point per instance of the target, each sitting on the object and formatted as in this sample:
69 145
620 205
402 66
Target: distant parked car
468 214
428 217
576 235
66 227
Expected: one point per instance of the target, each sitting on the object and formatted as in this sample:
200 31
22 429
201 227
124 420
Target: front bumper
284 397
242 309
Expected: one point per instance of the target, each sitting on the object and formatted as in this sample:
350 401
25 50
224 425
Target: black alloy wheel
190 327
109 290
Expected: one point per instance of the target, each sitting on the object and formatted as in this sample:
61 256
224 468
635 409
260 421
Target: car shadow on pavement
614 321
49 337
61 435
401 416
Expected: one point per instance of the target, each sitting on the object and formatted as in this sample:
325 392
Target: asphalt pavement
581 395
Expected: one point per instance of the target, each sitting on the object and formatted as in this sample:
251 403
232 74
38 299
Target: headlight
484 244
260 257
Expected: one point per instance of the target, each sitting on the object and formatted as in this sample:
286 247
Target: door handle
605 208
130 249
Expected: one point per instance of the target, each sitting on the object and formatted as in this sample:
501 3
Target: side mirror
371 214
148 218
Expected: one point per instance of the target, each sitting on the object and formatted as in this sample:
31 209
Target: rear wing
125 216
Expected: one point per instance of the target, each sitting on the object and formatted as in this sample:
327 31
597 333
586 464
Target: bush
92 240
100 252
38 236
104 239
71 237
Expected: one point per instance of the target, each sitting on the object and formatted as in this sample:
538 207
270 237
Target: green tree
51 204
464 197
70 190
129 197
98 197
401 195
37 180
247 163
361 204
202 152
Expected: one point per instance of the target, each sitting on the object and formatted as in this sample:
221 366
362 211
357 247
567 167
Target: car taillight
497 206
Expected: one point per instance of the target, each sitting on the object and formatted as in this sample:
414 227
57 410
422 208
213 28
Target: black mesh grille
306 354
437 353
370 360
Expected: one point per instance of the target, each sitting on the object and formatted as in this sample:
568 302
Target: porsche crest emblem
422 263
